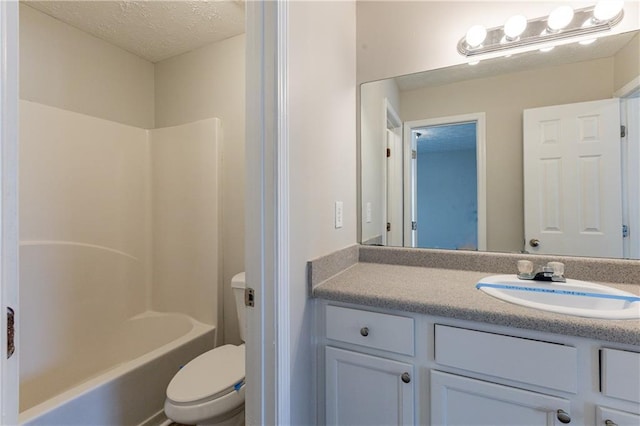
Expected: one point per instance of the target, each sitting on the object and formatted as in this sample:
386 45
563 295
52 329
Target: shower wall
83 236
114 221
186 211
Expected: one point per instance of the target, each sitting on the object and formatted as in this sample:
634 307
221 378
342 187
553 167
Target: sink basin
574 297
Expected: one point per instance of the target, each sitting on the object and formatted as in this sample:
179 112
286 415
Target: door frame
267 228
630 184
392 123
9 379
481 168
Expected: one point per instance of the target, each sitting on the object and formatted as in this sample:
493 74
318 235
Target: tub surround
442 283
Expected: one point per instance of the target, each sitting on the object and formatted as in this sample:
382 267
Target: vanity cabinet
399 368
461 401
367 390
620 380
365 382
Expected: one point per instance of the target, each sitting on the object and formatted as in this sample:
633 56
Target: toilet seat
208 386
209 376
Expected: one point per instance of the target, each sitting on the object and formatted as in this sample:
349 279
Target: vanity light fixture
559 18
562 24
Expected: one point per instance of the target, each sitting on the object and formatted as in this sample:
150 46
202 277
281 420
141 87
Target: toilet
209 390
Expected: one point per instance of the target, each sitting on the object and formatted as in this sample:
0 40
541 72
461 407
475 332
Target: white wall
185 214
396 38
67 68
209 82
322 129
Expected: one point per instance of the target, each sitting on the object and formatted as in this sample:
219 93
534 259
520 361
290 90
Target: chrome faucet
552 271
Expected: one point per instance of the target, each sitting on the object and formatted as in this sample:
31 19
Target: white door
394 188
461 401
572 179
8 206
367 390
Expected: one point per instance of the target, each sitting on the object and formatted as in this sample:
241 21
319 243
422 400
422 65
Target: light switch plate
338 214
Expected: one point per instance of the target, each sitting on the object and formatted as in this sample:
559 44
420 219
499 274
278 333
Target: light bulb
607 9
547 49
515 26
560 18
587 42
476 35
474 62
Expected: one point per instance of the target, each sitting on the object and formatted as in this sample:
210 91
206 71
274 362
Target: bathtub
122 379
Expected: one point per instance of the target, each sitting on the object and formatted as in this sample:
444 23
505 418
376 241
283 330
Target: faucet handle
525 269
558 269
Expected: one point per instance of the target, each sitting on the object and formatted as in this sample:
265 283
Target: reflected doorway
446 182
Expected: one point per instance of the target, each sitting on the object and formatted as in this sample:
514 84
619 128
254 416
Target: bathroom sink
573 297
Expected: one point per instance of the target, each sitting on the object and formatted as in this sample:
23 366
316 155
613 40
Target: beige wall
423 35
627 64
64 67
210 82
322 164
503 98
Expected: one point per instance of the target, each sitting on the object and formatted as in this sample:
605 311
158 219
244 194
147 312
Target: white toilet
209 390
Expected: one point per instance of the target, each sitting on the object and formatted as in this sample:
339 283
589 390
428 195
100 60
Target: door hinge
388 226
11 332
414 154
625 231
388 152
623 131
414 226
249 297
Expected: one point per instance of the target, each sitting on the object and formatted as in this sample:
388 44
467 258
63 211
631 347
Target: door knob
406 377
534 242
563 416
610 423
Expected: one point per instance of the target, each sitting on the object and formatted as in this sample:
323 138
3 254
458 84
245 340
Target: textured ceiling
152 29
451 137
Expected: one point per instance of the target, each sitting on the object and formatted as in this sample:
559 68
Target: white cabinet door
461 401
616 417
367 390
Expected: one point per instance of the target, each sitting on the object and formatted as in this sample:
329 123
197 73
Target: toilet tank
238 285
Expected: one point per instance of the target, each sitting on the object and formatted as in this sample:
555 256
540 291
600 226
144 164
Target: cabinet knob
610 423
406 377
364 331
563 416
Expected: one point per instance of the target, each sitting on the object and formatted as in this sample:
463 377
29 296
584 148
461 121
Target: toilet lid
214 372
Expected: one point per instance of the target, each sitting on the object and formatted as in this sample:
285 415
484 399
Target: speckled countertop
452 293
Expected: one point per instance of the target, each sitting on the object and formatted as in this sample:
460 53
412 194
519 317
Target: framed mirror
514 154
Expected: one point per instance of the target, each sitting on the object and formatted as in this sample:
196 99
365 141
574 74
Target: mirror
487 196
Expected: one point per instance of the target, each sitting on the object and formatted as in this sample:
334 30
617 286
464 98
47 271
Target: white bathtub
121 379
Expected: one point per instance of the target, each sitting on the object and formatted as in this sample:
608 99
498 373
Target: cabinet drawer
620 374
617 417
538 363
380 331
